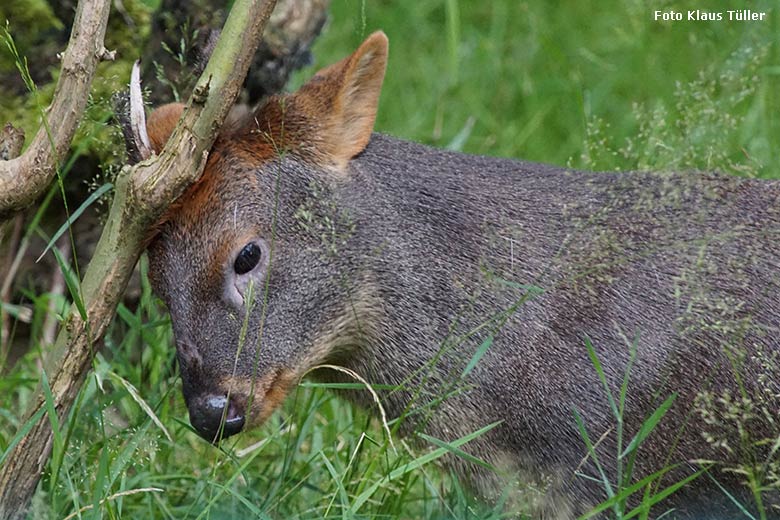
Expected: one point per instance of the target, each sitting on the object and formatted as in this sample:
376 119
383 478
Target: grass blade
143 404
732 498
416 463
72 282
24 430
594 359
625 493
649 425
592 453
460 453
75 215
342 493
658 497
483 348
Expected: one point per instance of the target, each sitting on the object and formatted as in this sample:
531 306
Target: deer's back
683 266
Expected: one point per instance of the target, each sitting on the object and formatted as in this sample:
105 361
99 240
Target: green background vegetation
570 82
593 84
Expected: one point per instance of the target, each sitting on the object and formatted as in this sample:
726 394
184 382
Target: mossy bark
23 179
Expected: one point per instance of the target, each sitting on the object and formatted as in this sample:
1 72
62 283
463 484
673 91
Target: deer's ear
343 100
161 123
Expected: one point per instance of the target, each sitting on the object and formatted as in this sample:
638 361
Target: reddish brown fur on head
328 121
161 124
343 99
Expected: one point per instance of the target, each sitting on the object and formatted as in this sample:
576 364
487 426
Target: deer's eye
248 258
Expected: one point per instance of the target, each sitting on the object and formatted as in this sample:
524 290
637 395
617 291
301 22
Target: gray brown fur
409 252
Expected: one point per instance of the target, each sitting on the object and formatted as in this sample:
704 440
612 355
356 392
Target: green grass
589 84
534 78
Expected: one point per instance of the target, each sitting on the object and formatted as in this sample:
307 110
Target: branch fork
143 192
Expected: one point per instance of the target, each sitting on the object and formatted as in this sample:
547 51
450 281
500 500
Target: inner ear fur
351 90
331 117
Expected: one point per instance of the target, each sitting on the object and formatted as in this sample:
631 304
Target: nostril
215 417
233 413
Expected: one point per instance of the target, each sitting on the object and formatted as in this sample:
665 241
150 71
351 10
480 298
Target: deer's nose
216 417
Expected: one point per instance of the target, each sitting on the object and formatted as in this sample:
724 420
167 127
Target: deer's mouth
259 397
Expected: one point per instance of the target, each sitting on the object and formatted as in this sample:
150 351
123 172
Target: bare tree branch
143 193
23 179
